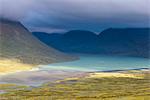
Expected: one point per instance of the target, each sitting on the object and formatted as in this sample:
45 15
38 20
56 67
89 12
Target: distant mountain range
72 41
16 42
129 41
113 41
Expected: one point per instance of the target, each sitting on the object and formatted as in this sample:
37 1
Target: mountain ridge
115 41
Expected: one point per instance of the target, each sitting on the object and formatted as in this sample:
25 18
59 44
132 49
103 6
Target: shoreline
16 66
38 68
37 77
136 69
13 66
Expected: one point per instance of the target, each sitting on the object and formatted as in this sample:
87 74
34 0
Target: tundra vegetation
126 85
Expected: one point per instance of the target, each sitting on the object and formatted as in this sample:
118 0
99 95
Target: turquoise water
101 63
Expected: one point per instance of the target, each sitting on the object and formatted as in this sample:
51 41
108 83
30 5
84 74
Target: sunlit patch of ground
10 66
115 75
133 85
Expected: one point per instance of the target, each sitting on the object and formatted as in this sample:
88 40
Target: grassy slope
126 86
16 42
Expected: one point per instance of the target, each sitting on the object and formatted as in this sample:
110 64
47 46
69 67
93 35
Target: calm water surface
101 63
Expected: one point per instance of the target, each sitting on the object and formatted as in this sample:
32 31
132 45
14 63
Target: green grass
108 88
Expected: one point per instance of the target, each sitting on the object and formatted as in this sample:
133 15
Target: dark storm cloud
61 15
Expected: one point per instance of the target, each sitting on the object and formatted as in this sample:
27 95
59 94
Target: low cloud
77 14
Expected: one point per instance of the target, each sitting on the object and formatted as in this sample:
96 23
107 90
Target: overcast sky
64 15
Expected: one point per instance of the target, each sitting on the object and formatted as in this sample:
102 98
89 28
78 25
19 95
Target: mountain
47 38
112 41
78 41
16 42
126 41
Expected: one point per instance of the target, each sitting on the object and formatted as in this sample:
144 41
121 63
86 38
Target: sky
64 15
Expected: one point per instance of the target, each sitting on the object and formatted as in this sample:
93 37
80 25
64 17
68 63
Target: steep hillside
16 42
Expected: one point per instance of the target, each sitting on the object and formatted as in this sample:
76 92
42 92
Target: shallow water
86 63
101 63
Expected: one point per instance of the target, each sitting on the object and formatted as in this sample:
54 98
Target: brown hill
16 42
